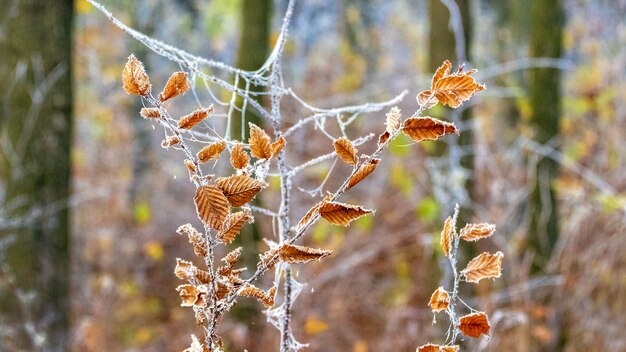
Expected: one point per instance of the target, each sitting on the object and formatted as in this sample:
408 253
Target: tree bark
36 131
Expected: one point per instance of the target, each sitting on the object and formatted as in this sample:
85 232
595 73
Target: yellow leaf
154 250
314 326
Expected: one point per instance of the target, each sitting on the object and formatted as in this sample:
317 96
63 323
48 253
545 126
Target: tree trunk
36 131
545 97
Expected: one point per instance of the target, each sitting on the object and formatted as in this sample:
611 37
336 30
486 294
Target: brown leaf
150 113
475 232
278 146
392 123
345 150
239 189
293 254
203 276
447 235
134 77
170 141
440 300
176 85
383 138
192 295
362 172
260 142
212 206
437 348
427 128
195 238
311 213
252 291
185 270
196 345
238 156
230 260
485 266
449 89
211 151
341 214
233 224
474 325
188 121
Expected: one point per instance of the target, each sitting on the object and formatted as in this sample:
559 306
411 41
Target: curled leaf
170 141
485 266
212 206
233 224
200 247
341 214
278 146
427 128
239 189
447 235
176 85
392 123
187 122
440 300
310 214
185 270
252 291
293 254
362 172
346 151
475 232
211 151
150 113
196 345
260 142
238 156
134 77
474 325
192 295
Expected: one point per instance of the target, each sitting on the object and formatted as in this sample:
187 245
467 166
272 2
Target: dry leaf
447 235
363 171
233 224
238 156
449 89
196 345
314 211
345 150
474 325
188 121
211 151
341 214
192 295
230 260
203 276
260 142
383 138
253 291
440 300
176 85
392 123
191 166
485 266
212 206
185 270
170 141
195 238
427 128
239 189
150 113
278 146
437 348
293 254
134 77
475 232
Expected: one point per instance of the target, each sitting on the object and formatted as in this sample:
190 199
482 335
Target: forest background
91 202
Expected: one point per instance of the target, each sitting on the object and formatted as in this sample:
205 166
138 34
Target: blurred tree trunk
254 40
545 97
36 130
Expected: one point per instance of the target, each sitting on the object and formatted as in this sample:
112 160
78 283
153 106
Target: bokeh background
546 164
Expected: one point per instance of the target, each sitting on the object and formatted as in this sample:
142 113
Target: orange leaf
427 128
485 266
238 156
314 211
192 295
170 141
447 235
278 146
475 232
449 89
230 260
211 151
362 172
233 224
260 142
292 254
345 150
440 300
341 214
437 348
150 113
134 77
239 189
474 325
188 121
176 85
212 206
252 291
